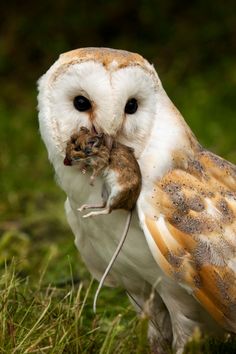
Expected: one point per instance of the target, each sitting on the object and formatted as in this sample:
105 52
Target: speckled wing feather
190 227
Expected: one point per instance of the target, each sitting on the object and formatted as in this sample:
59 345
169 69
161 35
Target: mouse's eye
87 150
95 142
131 106
81 103
91 141
77 148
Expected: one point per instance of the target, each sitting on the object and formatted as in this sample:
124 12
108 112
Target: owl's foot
99 212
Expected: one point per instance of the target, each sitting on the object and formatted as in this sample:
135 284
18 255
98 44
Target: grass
48 319
46 292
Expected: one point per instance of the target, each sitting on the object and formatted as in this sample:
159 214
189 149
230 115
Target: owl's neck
170 143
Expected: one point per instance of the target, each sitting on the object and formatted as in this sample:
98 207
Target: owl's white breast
97 238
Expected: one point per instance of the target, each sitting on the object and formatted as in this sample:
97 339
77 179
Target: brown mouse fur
82 150
118 167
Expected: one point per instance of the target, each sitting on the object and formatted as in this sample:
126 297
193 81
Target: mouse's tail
116 253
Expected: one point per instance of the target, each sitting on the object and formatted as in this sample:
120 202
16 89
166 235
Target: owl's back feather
194 231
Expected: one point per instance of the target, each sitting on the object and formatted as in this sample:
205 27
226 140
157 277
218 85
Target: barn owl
180 252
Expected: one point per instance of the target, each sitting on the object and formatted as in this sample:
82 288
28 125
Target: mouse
86 149
119 169
117 166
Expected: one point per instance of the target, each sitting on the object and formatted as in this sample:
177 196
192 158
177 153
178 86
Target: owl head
112 91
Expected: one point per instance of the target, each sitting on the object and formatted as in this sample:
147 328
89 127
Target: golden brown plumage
195 229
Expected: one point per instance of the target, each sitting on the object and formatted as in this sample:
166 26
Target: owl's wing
189 220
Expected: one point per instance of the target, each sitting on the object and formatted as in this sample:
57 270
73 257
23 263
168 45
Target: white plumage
181 243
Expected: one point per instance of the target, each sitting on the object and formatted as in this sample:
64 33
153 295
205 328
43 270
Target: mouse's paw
96 213
88 215
83 168
92 181
84 207
91 206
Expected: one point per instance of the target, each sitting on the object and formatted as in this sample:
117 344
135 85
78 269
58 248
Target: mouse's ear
84 129
73 138
130 149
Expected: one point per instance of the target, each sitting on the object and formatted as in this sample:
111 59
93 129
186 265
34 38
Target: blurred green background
191 44
193 47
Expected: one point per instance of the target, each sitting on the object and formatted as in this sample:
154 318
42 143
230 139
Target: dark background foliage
191 36
192 45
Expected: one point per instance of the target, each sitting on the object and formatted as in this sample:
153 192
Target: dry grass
39 319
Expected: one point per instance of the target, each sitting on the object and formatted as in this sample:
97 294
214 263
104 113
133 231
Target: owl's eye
131 106
81 103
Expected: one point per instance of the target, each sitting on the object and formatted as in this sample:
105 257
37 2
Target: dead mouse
121 175
87 150
116 165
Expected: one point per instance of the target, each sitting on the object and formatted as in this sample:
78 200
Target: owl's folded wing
189 220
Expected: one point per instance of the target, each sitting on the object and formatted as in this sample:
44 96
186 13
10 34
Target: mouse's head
82 146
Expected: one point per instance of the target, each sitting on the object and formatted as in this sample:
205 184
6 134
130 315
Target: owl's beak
93 129
109 124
